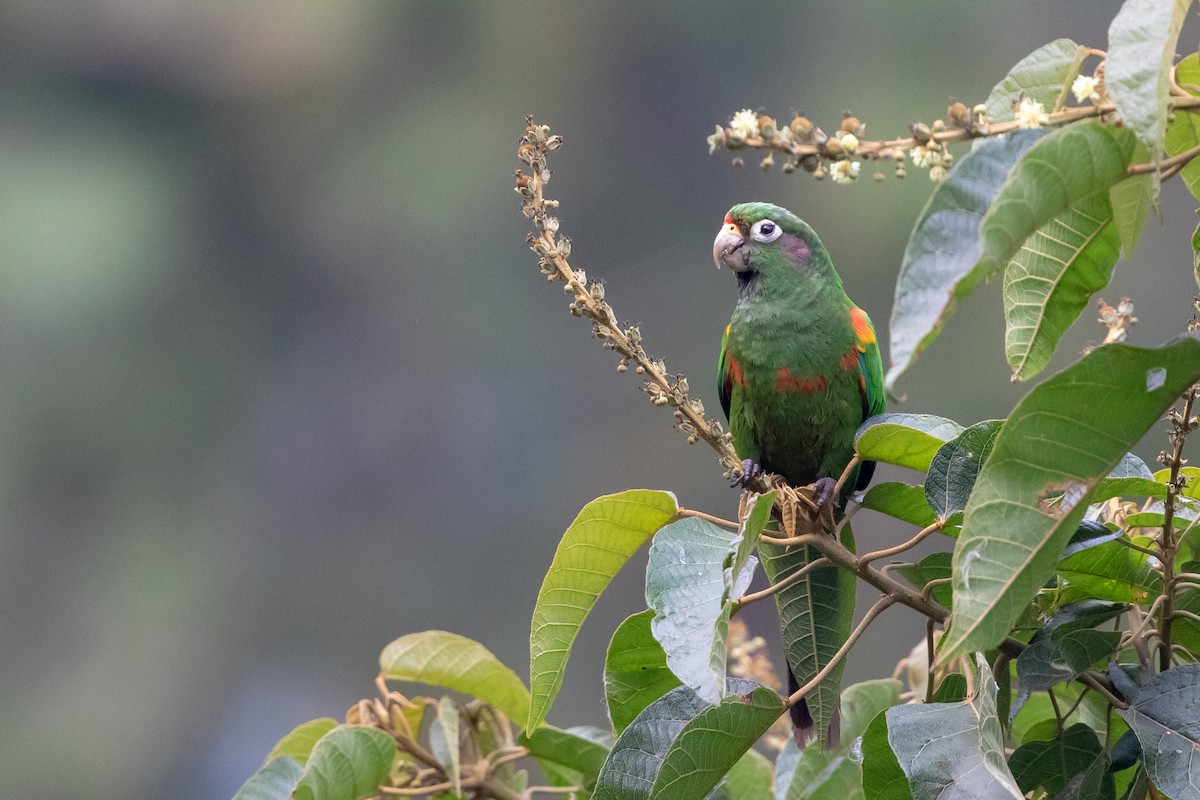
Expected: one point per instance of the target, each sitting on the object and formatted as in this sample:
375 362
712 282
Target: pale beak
728 249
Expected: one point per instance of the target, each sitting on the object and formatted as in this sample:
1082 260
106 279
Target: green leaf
635 670
570 749
1045 75
444 743
955 466
1110 571
299 743
455 662
695 570
597 544
904 501
708 745
749 779
941 262
907 440
686 591
274 780
1164 714
952 689
1052 764
1137 72
815 772
953 750
348 763
656 755
933 567
815 615
1051 226
882 777
1059 441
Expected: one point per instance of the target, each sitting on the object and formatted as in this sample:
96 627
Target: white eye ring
766 230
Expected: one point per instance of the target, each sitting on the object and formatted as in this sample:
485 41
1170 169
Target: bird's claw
822 491
751 471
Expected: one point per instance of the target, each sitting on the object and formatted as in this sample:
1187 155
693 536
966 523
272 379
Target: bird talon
751 471
822 491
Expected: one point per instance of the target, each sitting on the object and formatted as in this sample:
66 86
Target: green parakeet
799 372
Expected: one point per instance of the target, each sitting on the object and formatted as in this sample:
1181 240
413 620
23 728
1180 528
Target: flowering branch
663 388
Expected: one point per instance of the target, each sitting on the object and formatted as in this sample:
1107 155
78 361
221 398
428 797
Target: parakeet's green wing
725 377
870 379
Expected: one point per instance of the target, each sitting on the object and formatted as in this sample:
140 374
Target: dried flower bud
766 127
920 132
738 163
788 167
767 162
801 127
523 184
622 368
958 115
833 147
850 123
553 143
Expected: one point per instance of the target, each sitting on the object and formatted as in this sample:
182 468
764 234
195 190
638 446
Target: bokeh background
280 382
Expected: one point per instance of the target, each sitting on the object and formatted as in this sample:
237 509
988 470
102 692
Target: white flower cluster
1031 114
844 171
1086 89
933 159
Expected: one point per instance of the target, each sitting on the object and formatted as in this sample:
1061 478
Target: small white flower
1031 114
745 121
849 142
936 173
844 171
1084 89
922 156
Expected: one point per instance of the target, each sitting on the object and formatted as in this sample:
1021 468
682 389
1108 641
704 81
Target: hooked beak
727 248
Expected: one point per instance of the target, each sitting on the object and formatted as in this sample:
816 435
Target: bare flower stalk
663 388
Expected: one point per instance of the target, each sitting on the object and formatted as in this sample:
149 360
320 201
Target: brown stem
1168 543
873 612
900 548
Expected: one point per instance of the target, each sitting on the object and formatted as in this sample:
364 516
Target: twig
845 476
724 523
873 612
1181 426
783 584
900 548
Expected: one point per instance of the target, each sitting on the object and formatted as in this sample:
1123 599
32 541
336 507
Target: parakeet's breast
795 396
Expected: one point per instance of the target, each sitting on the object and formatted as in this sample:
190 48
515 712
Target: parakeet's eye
765 231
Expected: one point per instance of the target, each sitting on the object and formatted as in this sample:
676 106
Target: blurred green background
281 382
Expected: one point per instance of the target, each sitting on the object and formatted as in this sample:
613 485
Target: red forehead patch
729 219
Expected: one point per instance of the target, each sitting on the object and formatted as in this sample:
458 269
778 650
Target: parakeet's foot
750 473
823 493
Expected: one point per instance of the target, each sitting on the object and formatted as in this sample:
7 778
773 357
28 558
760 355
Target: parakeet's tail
803 728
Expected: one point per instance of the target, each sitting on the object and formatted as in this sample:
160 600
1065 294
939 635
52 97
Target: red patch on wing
735 371
785 381
850 360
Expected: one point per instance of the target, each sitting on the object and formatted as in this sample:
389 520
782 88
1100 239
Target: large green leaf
941 262
348 763
882 777
1132 199
933 567
444 741
1063 437
1045 76
1109 571
708 745
680 746
597 544
955 466
1052 277
904 501
299 743
815 772
1050 227
695 570
635 670
1141 47
908 440
815 614
953 751
455 662
1051 765
1165 715
1060 657
275 780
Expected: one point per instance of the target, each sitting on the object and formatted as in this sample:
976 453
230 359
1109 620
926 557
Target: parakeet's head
764 238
